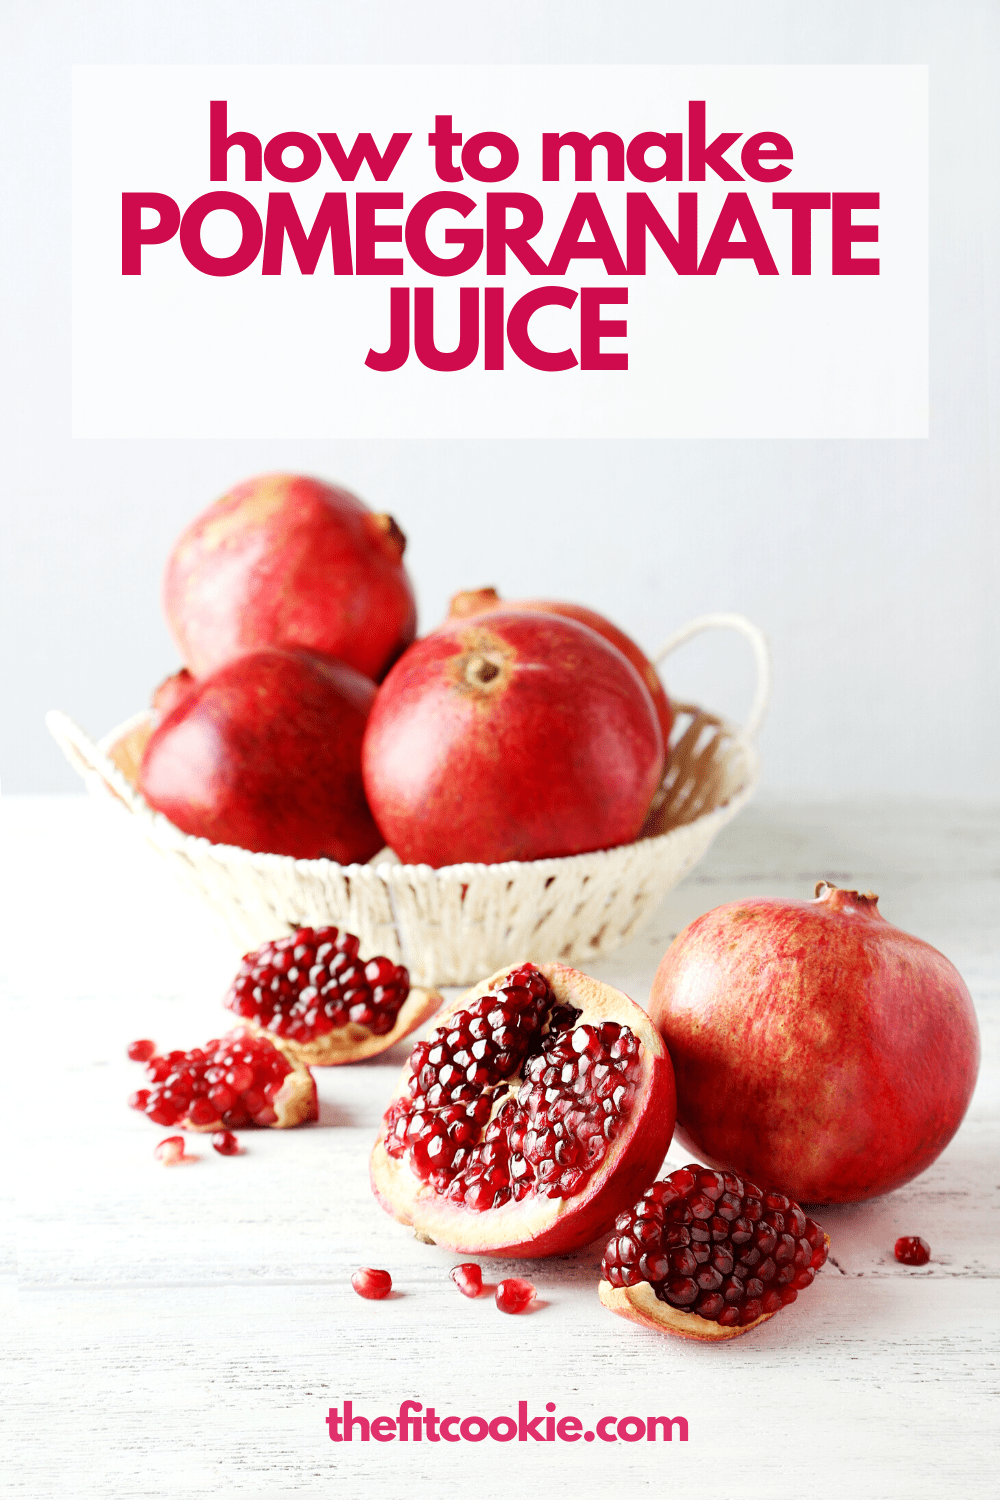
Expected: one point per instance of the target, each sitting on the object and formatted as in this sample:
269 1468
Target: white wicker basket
453 925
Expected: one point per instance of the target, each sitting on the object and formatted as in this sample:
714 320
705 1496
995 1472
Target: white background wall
872 565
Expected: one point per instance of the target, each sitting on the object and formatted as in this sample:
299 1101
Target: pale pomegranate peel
707 1256
496 1195
353 1043
640 1304
312 994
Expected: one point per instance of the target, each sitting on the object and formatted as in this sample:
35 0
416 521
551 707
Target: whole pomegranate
484 601
515 737
265 753
537 1109
817 1048
283 560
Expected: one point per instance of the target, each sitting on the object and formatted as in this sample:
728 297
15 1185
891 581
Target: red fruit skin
266 754
816 1047
485 601
283 560
557 752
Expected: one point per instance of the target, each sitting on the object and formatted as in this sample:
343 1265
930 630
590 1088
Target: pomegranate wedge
313 996
538 1109
707 1256
229 1084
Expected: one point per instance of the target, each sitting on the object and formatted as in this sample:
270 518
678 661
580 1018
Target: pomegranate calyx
834 899
484 666
389 534
471 602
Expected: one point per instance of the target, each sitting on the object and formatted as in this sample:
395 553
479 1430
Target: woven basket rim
92 759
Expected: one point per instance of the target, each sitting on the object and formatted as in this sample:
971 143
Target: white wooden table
183 1332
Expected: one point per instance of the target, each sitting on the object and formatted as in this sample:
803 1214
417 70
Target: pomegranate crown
831 896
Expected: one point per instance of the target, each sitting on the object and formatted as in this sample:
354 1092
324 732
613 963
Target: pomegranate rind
537 1225
641 1305
353 1043
295 1103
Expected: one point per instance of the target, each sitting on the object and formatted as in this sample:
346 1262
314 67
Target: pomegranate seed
312 982
511 1097
226 1143
468 1279
171 1151
514 1295
142 1050
372 1284
229 1081
710 1243
912 1250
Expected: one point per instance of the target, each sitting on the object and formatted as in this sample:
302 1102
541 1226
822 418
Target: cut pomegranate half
325 1004
538 1108
707 1255
229 1084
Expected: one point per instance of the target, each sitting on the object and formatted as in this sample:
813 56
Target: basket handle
761 652
89 759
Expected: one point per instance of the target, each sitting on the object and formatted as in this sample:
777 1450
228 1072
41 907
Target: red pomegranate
516 737
816 1046
707 1256
325 1004
265 753
287 561
485 601
541 1104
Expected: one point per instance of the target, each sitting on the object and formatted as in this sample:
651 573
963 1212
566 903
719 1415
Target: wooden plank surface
184 1332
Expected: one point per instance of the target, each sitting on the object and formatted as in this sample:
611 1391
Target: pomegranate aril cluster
714 1244
313 981
511 1097
233 1081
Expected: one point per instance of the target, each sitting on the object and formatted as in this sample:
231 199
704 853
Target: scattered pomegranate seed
171 1151
231 1083
372 1284
912 1250
468 1279
226 1143
142 1050
514 1295
313 981
480 1134
713 1244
